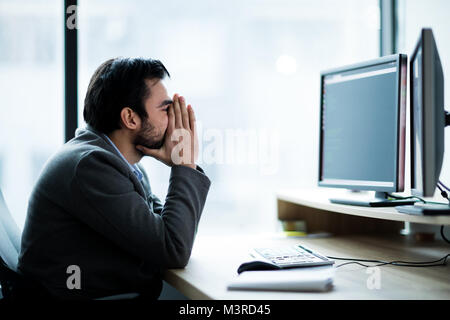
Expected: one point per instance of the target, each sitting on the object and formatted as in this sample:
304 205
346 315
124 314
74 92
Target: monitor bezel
419 45
429 110
399 178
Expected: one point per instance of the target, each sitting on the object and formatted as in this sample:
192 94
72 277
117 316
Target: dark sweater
88 209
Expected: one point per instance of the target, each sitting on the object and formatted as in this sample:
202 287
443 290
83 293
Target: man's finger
177 111
171 118
191 117
148 151
184 113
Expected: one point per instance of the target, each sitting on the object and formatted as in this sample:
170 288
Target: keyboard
292 256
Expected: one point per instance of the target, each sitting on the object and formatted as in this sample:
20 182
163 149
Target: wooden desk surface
214 262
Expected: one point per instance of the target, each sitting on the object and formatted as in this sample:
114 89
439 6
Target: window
251 71
31 95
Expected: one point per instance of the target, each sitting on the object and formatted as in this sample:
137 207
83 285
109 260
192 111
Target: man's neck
126 148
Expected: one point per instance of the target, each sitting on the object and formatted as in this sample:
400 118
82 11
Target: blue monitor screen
359 127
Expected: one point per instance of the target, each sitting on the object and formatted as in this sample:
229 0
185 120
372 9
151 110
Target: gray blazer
88 209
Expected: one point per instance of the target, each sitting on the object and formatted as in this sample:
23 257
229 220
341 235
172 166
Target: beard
148 136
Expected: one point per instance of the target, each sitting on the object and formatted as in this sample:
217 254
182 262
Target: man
93 227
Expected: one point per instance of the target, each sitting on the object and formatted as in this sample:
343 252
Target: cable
404 198
443 193
443 236
440 185
443 185
394 263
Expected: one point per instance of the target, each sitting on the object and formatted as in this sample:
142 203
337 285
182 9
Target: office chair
13 284
9 236
9 249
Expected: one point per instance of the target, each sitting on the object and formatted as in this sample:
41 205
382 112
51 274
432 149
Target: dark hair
116 84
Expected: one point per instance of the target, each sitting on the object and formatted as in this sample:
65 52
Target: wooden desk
214 260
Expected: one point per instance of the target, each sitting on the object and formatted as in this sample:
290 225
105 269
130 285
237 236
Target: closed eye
165 105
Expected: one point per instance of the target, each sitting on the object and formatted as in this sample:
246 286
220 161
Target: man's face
153 128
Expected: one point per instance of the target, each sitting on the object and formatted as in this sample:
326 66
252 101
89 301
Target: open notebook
296 279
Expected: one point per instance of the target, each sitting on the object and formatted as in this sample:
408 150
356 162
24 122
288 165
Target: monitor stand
426 209
381 199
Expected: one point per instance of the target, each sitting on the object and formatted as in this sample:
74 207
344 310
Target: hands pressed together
181 142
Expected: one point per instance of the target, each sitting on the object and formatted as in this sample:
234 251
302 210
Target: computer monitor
362 129
428 120
427 115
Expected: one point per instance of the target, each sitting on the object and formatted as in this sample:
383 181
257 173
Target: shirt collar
133 167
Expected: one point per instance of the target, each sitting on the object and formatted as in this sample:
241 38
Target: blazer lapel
137 184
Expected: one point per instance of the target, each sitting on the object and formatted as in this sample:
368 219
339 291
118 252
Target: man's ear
129 119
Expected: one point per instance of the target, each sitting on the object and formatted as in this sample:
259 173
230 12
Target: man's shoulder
86 147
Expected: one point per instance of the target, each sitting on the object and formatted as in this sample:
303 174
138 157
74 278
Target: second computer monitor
362 125
427 115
